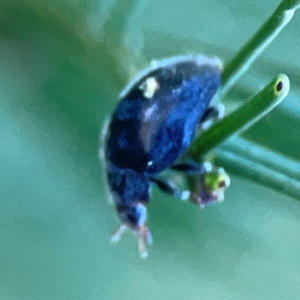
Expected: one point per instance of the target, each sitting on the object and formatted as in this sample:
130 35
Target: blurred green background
62 65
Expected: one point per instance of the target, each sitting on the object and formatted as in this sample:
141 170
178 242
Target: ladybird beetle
153 124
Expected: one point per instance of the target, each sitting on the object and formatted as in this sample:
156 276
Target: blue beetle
153 124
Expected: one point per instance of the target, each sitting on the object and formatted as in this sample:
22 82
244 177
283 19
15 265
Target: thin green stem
243 166
260 155
251 111
258 43
289 4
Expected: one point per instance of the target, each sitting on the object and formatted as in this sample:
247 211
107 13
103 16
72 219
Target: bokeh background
62 65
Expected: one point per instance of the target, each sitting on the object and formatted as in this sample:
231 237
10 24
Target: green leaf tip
243 117
282 86
235 68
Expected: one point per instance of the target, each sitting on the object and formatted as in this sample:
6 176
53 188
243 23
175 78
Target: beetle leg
211 182
118 234
193 168
212 113
144 237
170 188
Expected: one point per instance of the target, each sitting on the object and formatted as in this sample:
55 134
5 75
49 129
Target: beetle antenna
118 234
144 236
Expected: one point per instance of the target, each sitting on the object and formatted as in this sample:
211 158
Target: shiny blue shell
155 122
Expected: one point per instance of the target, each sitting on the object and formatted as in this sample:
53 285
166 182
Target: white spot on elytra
149 87
171 62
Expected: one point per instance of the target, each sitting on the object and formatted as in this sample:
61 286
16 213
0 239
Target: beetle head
127 188
134 217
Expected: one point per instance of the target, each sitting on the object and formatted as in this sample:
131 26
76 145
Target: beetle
152 126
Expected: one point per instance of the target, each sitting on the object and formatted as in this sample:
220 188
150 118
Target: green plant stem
257 172
253 110
260 155
258 43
